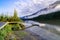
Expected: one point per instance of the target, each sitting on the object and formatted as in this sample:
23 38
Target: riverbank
26 35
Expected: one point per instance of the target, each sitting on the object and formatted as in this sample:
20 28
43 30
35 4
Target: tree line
49 16
5 18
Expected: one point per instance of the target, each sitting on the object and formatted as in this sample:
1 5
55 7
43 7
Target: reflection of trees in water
48 27
32 26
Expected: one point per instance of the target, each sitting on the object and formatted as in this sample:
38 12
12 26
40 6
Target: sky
23 7
6 6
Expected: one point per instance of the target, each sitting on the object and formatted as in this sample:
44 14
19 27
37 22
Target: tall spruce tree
15 16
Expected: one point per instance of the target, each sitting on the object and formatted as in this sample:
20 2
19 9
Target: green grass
5 31
1 38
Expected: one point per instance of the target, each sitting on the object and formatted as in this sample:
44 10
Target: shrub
6 30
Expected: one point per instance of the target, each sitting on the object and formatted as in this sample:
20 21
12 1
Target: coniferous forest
6 18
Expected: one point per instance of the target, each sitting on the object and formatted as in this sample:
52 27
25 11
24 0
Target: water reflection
50 32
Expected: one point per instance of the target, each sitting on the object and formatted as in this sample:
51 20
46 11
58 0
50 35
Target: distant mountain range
51 10
50 16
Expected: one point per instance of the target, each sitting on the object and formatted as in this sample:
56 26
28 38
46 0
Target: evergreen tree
10 19
15 14
15 17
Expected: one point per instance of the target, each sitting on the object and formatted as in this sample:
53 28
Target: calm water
44 29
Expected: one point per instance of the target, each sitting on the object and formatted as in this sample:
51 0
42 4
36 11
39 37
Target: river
44 30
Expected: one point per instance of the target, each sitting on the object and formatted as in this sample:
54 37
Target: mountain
50 16
45 11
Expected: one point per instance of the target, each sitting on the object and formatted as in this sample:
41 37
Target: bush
1 38
17 27
5 31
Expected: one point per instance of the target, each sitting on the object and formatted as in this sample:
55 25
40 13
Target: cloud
57 7
28 7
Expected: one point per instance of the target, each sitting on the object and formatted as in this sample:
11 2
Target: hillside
50 16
